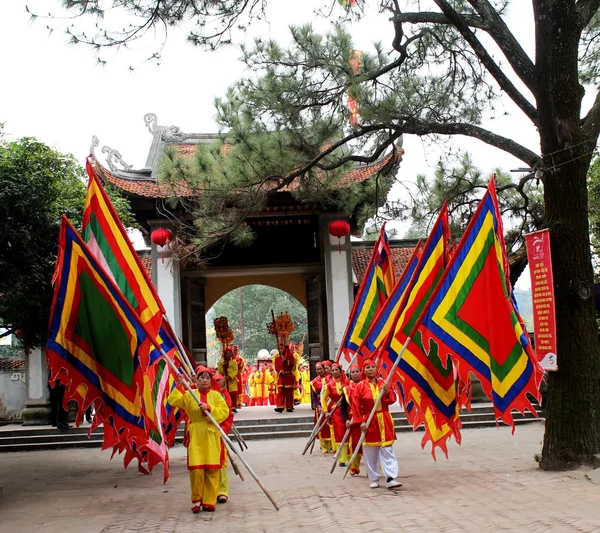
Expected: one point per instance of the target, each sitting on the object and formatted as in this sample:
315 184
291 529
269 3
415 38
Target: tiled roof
144 187
361 257
151 189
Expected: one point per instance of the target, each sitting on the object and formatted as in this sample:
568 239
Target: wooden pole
338 453
327 417
376 406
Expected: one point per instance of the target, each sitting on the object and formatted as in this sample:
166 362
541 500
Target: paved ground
490 483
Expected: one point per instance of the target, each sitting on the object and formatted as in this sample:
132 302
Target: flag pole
320 427
339 452
319 423
223 435
376 406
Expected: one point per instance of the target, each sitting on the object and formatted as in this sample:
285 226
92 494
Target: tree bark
573 401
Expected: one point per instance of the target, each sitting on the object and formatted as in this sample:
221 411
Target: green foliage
594 212
462 186
258 300
37 185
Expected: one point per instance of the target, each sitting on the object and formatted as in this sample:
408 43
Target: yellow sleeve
324 397
218 406
232 369
176 399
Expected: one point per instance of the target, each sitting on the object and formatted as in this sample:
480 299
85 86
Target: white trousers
380 459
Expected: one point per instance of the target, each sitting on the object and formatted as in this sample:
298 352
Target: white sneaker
374 484
393 484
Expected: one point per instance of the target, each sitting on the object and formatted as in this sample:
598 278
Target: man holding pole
378 444
228 368
316 386
205 453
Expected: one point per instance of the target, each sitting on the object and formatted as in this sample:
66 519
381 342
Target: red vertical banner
542 293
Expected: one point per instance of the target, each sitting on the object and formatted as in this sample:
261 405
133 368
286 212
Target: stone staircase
14 438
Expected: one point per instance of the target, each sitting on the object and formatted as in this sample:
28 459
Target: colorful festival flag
471 316
387 317
428 387
94 344
377 284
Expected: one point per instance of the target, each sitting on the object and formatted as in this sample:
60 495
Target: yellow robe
232 374
205 450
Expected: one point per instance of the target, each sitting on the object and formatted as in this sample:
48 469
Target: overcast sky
59 94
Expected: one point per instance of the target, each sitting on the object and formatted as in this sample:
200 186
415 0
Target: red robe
355 432
330 398
316 385
381 430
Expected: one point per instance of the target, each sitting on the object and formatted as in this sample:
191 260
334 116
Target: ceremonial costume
262 380
316 386
331 395
228 368
206 452
380 436
305 377
253 398
355 433
241 376
272 386
285 366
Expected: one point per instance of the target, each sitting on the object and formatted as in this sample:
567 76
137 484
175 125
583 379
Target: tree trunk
573 401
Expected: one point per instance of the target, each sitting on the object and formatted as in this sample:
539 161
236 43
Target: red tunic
355 428
381 430
330 398
228 422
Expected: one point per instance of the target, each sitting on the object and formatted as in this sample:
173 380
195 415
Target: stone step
42 438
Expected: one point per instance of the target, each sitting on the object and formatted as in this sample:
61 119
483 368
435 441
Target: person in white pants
378 445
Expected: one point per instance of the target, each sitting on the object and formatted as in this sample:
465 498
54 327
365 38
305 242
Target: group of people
346 400
263 381
280 379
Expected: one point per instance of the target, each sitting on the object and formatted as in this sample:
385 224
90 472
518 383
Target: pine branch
520 62
459 22
470 130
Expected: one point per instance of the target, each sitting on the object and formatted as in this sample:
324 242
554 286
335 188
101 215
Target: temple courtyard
490 483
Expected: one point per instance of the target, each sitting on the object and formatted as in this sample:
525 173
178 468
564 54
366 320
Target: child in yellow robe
206 452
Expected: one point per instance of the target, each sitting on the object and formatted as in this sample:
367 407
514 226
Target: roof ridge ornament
167 133
118 159
94 145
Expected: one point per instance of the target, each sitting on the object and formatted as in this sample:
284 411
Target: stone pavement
490 483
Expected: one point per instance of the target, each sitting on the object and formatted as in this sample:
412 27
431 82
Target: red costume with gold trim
381 430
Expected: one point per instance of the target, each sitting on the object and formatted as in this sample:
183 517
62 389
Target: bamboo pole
376 406
338 453
327 417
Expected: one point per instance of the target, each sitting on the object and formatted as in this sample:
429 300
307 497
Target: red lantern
161 237
339 229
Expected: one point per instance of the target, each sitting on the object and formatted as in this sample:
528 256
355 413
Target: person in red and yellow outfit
332 394
272 385
206 451
346 411
316 387
285 366
378 446
228 368
242 377
261 381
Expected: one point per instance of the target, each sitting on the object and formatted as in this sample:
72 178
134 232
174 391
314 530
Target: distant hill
525 306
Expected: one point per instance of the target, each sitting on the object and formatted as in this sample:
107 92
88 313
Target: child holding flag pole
225 438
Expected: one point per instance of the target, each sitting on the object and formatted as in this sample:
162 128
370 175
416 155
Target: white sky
58 94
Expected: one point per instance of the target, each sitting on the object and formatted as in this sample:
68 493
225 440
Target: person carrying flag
206 452
332 393
346 412
378 445
316 386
